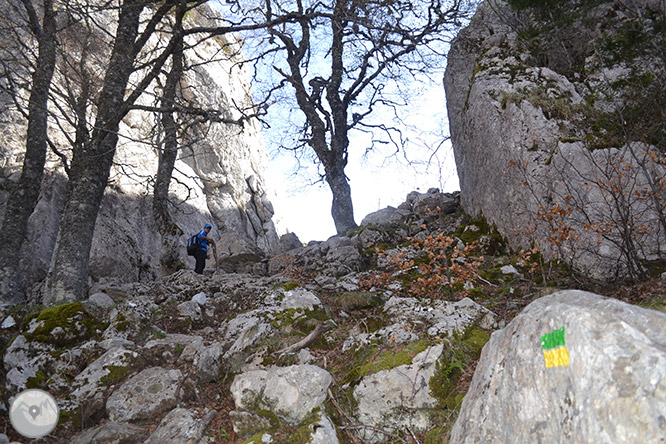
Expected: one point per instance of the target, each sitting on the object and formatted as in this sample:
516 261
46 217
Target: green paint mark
553 339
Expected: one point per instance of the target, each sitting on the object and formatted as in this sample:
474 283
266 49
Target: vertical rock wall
547 112
219 177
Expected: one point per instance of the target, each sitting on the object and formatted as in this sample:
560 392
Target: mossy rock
121 323
368 360
116 374
437 435
390 359
474 339
62 326
304 431
300 434
256 439
38 381
70 419
299 318
290 286
357 300
465 349
488 239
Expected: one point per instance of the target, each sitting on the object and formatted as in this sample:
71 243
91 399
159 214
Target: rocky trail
334 342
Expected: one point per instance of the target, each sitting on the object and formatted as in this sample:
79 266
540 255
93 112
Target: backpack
193 244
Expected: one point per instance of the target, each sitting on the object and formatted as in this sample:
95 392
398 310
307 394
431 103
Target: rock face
219 178
572 367
552 140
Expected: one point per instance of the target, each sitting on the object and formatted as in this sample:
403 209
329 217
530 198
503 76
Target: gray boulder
438 318
288 242
248 424
398 398
189 310
22 360
208 362
432 203
387 217
442 317
145 396
571 367
101 300
291 393
9 322
244 331
112 433
335 257
106 370
323 432
180 426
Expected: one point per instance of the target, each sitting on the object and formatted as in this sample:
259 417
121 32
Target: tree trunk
169 231
68 277
23 199
342 208
335 161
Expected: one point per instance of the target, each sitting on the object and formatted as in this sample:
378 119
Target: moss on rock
291 286
437 435
62 325
36 382
465 349
116 373
486 236
367 361
357 300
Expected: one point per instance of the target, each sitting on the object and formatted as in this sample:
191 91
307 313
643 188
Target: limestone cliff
557 116
219 177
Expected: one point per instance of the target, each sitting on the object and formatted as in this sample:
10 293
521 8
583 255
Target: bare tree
23 198
138 21
91 165
168 229
341 58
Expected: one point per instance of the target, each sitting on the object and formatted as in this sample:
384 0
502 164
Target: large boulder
112 433
334 257
291 393
180 426
240 335
398 398
572 367
146 395
551 134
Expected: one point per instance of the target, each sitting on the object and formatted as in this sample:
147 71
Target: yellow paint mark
557 357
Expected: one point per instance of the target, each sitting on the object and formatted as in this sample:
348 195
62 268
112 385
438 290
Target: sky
305 209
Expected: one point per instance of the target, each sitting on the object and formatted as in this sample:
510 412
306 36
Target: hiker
202 252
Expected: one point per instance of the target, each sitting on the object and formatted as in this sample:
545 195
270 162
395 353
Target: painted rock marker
554 349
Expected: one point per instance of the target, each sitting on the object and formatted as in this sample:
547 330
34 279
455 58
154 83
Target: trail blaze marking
554 349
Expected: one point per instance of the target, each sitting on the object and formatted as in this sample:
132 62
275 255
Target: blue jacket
203 242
